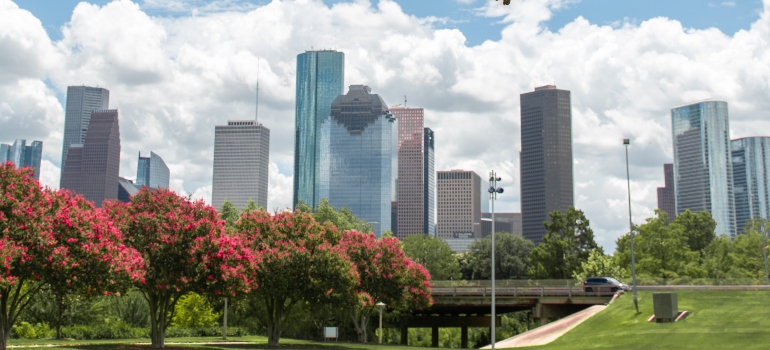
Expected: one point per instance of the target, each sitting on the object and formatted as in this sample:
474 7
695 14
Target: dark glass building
92 168
81 101
703 174
320 77
152 172
751 179
545 158
358 154
666 201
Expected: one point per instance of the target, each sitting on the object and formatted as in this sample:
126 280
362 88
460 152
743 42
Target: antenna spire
404 101
256 112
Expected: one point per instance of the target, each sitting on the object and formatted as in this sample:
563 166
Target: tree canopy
567 244
512 257
434 254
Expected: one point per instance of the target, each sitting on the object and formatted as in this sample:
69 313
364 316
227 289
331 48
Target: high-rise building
22 155
92 168
152 172
703 175
546 157
126 189
429 182
320 77
751 179
666 198
81 101
241 163
459 204
415 172
358 153
504 222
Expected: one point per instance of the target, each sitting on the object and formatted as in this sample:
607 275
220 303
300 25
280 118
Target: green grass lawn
718 320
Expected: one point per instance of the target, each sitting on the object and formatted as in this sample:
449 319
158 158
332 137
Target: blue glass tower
23 155
358 146
152 172
703 174
751 171
320 76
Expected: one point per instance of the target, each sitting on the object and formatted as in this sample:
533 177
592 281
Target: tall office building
751 179
152 172
703 175
92 168
415 170
320 77
546 157
429 182
358 154
459 204
81 101
241 163
22 155
504 222
666 198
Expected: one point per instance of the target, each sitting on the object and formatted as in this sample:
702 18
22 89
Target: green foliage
251 206
696 229
599 264
567 244
512 257
132 309
343 219
193 310
434 254
25 330
229 212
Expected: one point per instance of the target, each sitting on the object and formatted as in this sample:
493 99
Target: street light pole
493 191
626 142
381 305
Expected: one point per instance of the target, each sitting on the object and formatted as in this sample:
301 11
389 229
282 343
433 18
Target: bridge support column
464 337
404 335
434 337
543 321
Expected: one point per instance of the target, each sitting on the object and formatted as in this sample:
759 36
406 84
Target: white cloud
174 78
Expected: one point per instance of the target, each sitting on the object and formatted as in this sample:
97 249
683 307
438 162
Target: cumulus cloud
175 77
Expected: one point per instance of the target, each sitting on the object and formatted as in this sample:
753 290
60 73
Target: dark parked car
603 284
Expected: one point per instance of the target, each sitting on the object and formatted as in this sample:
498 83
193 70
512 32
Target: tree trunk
60 304
361 322
159 305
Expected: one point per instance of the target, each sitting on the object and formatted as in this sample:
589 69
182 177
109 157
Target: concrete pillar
543 321
464 337
404 335
434 337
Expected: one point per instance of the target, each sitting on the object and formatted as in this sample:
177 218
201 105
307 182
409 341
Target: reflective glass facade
320 77
751 182
22 155
358 148
152 172
703 175
81 101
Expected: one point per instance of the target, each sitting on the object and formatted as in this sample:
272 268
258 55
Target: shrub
25 330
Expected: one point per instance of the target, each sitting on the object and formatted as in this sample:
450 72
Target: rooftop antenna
256 112
404 101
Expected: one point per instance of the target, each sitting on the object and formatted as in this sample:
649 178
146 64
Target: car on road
604 284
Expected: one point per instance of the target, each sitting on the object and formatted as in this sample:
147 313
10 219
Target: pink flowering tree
56 239
386 275
185 248
298 265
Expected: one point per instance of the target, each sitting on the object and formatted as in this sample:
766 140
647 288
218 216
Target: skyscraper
358 151
22 155
459 204
430 183
666 198
546 157
703 175
241 161
320 77
751 179
92 167
415 169
81 101
152 172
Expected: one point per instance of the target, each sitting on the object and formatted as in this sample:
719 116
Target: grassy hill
718 320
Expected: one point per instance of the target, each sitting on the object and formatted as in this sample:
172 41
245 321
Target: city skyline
172 83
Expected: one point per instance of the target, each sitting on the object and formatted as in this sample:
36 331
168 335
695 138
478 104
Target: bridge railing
642 281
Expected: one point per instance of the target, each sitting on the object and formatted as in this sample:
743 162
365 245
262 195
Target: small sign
463 235
330 332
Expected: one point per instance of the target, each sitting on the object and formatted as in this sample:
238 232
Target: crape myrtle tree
186 248
299 264
386 275
57 239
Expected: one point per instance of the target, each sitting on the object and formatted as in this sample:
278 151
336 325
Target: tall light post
493 191
626 142
381 305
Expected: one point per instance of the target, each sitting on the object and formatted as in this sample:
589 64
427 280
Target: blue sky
728 16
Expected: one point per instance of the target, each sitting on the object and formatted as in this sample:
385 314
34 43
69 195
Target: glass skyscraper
320 77
81 101
358 146
430 182
22 155
703 175
751 179
152 172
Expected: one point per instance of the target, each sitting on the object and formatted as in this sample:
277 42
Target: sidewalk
548 333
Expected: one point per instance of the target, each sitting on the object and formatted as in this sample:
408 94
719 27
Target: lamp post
493 191
381 305
626 142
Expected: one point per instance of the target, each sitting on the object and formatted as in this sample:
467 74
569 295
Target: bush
24 330
113 330
182 332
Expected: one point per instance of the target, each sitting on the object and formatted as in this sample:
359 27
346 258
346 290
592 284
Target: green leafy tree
343 219
599 264
434 254
512 257
230 212
696 229
251 206
719 259
748 249
193 310
567 243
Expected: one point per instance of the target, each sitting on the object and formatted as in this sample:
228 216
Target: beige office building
241 160
459 204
